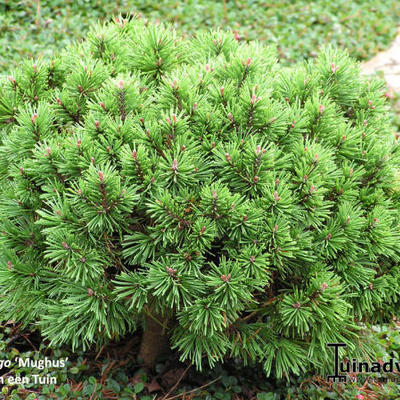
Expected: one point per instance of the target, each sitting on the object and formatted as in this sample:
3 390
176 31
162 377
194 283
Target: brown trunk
154 342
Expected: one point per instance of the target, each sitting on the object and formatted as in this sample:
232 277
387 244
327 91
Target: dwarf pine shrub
195 188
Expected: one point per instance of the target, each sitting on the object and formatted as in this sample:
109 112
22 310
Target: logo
336 377
345 367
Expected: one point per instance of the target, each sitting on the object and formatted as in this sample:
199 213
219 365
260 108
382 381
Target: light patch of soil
388 63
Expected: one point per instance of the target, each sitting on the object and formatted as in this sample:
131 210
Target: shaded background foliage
298 28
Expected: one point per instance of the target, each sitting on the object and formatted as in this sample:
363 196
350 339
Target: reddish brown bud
80 88
97 124
174 166
275 228
221 91
296 305
101 176
371 286
33 118
65 245
324 286
183 147
171 271
214 194
276 196
10 265
321 108
90 292
202 230
256 179
78 143
102 105
329 237
228 157
226 278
